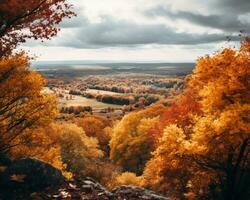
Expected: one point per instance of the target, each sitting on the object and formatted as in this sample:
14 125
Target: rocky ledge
32 179
89 189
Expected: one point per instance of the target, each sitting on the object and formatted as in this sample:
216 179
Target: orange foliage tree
167 172
211 157
26 111
98 127
23 104
221 137
41 143
24 19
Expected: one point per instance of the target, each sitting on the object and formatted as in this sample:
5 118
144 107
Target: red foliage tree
181 113
25 19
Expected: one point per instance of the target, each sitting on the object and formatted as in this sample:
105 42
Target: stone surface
24 176
134 193
31 179
91 190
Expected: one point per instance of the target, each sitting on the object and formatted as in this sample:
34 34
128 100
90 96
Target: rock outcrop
134 193
22 177
32 179
91 190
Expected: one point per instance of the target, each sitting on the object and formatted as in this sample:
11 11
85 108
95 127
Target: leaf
3 168
17 177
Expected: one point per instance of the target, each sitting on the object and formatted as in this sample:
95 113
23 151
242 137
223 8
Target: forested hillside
196 146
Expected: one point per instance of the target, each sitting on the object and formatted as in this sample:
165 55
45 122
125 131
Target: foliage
131 145
167 172
25 19
221 138
210 157
78 151
23 105
26 112
180 112
95 126
129 178
43 145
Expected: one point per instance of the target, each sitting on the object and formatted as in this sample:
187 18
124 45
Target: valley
112 90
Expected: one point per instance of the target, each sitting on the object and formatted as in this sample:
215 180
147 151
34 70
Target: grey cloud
113 33
230 6
74 22
221 14
228 23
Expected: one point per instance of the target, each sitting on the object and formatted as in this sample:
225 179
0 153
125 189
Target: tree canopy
24 19
23 104
210 157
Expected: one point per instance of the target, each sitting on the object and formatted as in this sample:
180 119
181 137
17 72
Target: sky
146 30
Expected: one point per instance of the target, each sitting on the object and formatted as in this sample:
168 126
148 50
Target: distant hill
111 67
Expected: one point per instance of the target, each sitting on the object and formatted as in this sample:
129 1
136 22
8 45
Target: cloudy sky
146 30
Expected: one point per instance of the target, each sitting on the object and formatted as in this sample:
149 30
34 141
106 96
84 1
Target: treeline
147 87
138 100
112 99
76 109
133 84
112 89
165 84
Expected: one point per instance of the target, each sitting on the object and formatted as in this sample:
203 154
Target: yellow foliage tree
131 145
167 171
23 105
79 152
27 113
41 143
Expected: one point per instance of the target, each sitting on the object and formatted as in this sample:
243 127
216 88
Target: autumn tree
23 104
220 142
78 151
26 111
209 158
98 127
179 111
167 172
24 19
41 143
131 145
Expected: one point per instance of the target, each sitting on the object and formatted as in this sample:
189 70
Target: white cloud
144 29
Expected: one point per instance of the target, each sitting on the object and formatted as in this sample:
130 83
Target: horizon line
117 61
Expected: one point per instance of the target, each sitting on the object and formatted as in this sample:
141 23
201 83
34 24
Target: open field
68 100
83 101
102 92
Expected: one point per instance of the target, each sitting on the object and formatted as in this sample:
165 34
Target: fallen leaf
17 177
3 168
